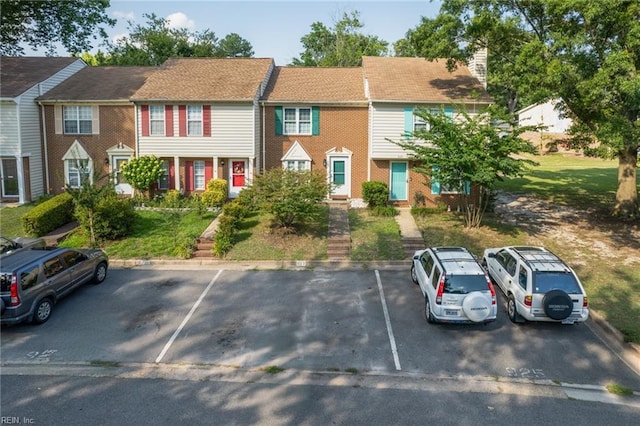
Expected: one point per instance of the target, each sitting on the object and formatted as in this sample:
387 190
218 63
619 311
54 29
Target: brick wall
340 128
116 126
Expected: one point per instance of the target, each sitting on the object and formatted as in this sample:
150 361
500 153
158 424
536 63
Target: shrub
386 211
215 194
172 199
114 218
247 198
291 196
49 215
142 172
225 235
376 194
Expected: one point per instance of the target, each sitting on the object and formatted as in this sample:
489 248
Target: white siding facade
9 136
386 122
24 137
233 134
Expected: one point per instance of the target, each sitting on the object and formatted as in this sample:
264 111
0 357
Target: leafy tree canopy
587 53
155 42
341 46
73 23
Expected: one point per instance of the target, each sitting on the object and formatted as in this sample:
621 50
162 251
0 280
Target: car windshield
463 284
547 281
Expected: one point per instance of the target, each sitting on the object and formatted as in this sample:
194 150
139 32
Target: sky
274 28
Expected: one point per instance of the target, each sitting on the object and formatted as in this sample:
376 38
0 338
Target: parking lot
365 321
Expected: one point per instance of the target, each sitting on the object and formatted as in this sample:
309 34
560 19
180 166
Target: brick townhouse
89 125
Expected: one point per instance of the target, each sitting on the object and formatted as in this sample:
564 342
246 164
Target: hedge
48 216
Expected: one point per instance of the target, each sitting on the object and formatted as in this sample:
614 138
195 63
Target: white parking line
187 318
392 339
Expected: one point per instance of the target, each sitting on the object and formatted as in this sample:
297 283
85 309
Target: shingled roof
316 84
100 84
398 79
19 74
206 79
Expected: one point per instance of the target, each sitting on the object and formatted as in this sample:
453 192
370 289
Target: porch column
176 168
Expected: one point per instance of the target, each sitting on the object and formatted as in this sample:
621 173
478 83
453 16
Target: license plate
450 312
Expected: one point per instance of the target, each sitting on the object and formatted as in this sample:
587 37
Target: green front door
399 180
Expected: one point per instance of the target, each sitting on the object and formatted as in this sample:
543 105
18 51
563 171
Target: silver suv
538 285
455 287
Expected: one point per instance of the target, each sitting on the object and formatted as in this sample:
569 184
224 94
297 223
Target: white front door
340 175
122 186
237 176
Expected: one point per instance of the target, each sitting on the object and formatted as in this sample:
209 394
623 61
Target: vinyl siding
9 137
387 122
31 141
233 134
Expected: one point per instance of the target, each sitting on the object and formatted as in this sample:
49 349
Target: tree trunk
626 206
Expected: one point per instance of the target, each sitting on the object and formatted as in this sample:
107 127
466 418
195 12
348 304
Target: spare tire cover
476 307
557 304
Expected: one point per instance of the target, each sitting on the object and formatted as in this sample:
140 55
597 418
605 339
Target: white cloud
119 37
180 20
129 16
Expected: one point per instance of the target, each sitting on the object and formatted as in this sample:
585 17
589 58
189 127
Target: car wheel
414 277
557 304
100 273
512 310
42 311
427 311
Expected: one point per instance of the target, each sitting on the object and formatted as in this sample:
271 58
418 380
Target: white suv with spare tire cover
538 285
455 287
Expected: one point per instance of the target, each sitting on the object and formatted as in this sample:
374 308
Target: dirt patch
570 227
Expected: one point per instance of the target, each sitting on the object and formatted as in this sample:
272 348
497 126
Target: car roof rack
541 259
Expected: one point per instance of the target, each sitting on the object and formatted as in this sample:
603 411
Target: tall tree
587 53
234 46
155 42
343 45
73 23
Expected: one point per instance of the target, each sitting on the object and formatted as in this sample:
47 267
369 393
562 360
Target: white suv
538 285
455 287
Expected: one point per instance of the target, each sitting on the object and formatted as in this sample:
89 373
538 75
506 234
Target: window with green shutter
297 121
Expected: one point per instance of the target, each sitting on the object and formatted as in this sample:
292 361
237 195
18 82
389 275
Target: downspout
136 152
264 137
45 148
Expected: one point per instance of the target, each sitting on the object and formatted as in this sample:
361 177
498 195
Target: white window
194 120
163 182
297 121
77 120
297 165
156 120
78 171
419 124
198 174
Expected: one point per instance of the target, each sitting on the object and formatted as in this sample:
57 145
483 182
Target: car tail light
528 300
440 291
491 289
585 302
15 299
